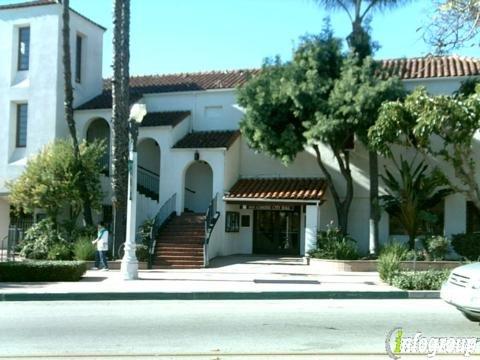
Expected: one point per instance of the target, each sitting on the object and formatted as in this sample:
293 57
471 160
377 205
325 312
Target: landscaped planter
371 265
115 265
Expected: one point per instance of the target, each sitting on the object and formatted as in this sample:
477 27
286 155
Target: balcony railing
148 183
105 164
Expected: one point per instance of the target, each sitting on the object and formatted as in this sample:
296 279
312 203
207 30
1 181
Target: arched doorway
100 130
148 175
198 187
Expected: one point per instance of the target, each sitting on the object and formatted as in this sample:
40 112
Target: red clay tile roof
166 118
104 101
189 81
414 68
155 84
45 2
278 189
432 67
208 139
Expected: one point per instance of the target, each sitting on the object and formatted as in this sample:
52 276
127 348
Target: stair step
177 266
181 262
180 243
180 258
179 246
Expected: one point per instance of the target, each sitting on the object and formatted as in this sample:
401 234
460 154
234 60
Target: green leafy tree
441 127
359 12
319 97
51 180
287 109
356 99
411 193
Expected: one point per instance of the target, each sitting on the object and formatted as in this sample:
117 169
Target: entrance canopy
299 190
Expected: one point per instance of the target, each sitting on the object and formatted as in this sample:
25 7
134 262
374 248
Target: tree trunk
374 203
342 206
120 113
68 105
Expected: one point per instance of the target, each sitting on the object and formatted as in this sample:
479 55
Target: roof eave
299 201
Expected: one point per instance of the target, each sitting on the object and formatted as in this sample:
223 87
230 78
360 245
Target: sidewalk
233 277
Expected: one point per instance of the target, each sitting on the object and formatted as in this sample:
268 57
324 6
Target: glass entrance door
276 232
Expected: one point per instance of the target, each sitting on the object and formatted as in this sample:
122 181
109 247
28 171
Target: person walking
102 248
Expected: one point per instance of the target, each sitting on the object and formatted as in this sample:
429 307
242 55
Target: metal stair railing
148 183
211 219
165 213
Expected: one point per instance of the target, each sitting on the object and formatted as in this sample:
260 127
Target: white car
462 290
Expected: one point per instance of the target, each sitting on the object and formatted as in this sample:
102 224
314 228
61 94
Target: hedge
35 271
420 280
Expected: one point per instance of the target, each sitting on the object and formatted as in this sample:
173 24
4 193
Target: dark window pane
23 48
78 60
473 218
22 117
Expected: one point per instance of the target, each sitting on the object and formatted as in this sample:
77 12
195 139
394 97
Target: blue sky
172 36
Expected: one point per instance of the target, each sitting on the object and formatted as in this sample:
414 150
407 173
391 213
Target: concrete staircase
180 243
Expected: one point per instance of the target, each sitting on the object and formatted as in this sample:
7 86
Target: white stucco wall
41 86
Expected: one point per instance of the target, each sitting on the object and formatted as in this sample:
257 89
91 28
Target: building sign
269 207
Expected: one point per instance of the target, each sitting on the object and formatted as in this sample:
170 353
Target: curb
424 294
284 295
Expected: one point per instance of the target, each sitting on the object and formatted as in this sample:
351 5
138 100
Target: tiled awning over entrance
278 189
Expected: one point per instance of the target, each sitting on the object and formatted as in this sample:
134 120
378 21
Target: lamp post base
129 269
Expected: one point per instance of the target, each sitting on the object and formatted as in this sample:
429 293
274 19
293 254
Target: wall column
455 214
311 227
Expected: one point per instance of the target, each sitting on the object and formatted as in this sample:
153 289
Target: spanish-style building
192 157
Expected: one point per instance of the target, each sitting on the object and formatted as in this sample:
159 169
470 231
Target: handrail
149 171
148 183
211 218
167 209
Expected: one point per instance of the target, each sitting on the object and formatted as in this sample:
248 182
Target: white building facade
191 153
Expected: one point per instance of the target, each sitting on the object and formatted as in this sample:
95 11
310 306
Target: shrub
40 239
388 266
33 271
420 280
418 255
395 248
332 244
142 253
389 260
436 246
467 245
60 251
83 249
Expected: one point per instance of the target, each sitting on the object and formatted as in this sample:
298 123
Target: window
78 60
435 228
473 218
23 48
232 221
22 116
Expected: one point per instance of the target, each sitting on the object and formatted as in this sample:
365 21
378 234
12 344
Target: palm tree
360 43
68 106
120 113
412 193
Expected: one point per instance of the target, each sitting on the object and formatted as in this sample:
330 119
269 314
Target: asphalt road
219 327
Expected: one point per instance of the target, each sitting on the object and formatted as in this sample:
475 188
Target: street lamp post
129 267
